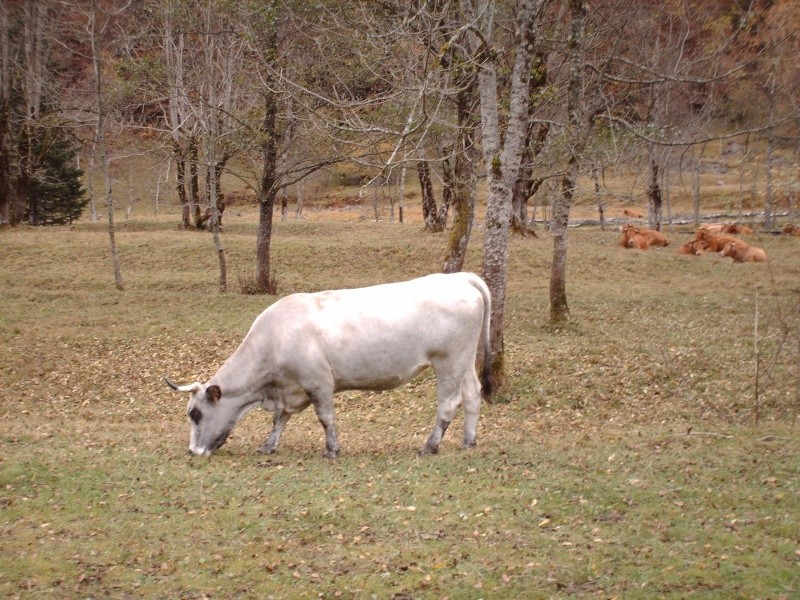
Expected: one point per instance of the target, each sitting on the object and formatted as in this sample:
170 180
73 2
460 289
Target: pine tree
57 197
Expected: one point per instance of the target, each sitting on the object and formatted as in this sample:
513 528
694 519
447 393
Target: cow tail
486 371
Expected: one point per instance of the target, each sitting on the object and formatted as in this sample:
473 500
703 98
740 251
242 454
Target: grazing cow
714 243
305 347
694 248
741 252
736 228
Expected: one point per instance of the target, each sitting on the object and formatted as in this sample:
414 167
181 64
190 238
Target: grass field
623 460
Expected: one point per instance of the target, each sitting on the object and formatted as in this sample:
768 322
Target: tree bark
559 308
598 198
268 189
429 214
464 181
654 194
502 165
194 182
101 144
696 190
6 190
526 185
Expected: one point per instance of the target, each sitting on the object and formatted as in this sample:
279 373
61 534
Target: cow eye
195 415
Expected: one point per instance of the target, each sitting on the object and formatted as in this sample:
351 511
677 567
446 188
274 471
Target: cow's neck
243 374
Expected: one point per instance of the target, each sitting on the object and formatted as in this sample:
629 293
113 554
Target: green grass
624 460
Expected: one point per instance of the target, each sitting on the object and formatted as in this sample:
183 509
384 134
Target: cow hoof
425 450
331 453
468 444
266 450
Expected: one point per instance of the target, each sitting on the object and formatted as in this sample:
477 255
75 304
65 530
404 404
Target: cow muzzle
197 451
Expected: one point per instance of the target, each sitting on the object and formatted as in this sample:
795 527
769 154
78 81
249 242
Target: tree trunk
526 185
598 198
654 194
214 187
464 182
194 182
447 192
428 200
6 194
216 214
768 200
101 145
559 309
268 189
696 191
180 184
503 167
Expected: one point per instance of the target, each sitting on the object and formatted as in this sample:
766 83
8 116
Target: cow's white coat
305 347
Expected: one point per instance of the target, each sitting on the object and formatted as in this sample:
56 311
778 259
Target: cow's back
378 337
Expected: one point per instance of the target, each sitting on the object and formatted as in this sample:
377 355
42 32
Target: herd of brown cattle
708 238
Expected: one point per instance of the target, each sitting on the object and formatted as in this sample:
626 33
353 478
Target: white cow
305 347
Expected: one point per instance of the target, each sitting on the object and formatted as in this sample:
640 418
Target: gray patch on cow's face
211 420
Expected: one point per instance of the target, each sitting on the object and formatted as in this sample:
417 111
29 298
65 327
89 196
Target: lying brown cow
736 228
741 252
694 248
790 229
711 227
632 213
714 243
632 238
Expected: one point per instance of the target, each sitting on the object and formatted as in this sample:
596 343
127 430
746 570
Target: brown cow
714 243
653 237
638 241
626 232
632 213
736 228
694 248
632 238
790 229
741 252
712 227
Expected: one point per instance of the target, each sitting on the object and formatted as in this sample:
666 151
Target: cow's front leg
323 405
280 418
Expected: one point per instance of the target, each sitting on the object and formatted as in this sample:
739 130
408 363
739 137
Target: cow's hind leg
448 398
279 420
323 405
471 393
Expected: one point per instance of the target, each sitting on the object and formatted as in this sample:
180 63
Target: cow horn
192 387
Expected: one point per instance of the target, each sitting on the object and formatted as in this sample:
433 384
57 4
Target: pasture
622 460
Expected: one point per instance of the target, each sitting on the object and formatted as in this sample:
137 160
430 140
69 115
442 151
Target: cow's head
729 250
210 417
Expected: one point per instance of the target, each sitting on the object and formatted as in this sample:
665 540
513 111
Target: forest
514 99
170 168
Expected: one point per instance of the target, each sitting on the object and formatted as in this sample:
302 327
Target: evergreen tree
56 194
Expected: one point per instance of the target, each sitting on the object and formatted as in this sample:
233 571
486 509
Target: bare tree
95 33
502 158
576 136
6 190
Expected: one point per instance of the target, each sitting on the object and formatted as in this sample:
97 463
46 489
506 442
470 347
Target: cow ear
213 394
